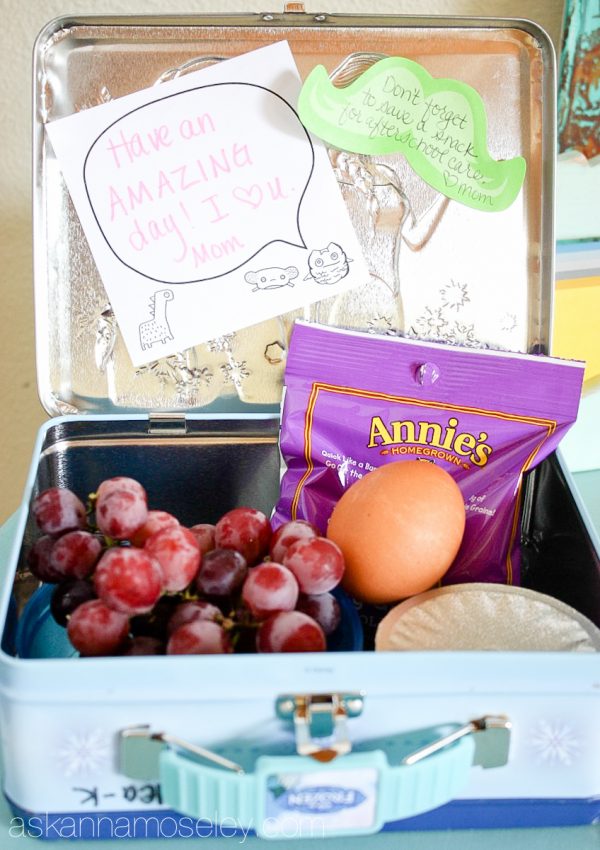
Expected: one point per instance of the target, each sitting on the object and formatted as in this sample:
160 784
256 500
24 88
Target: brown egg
399 528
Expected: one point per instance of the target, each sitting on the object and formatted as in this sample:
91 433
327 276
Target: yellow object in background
576 334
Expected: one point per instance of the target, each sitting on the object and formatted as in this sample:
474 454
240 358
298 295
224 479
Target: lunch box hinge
491 734
166 424
140 749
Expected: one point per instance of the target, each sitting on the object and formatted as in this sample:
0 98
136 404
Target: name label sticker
317 804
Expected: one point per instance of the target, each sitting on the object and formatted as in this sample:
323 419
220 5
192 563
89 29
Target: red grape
195 609
204 533
221 572
288 533
69 595
268 588
119 482
246 530
290 631
96 629
156 521
130 595
75 554
38 559
177 551
121 512
128 580
324 608
57 510
199 637
154 623
145 645
317 563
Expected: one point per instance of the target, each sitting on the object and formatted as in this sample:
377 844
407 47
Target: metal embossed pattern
434 264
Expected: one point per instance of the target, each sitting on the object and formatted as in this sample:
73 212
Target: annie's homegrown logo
430 439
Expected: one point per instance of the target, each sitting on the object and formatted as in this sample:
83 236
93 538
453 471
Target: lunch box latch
296 8
320 722
167 424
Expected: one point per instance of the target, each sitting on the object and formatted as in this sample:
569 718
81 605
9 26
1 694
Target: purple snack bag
354 401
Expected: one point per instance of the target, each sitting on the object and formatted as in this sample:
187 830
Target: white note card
207 205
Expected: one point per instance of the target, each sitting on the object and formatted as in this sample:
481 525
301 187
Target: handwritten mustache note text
439 125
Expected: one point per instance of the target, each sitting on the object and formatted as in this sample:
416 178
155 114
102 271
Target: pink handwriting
125 199
127 149
140 237
190 128
215 250
153 231
138 145
254 195
218 215
176 229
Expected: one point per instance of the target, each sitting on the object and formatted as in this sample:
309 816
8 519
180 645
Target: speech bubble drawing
439 125
191 186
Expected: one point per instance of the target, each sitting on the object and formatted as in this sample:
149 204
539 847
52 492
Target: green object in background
439 125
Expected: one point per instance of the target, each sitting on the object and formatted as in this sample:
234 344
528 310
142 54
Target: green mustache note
438 125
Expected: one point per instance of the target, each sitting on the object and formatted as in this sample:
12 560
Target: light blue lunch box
298 745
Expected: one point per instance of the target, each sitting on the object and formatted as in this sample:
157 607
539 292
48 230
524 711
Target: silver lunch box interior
219 464
222 462
81 62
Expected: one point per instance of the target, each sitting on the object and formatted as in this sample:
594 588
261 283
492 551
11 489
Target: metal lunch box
296 745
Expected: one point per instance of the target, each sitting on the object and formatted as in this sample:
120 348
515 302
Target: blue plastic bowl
348 637
38 634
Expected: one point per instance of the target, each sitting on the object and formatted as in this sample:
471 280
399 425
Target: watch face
319 803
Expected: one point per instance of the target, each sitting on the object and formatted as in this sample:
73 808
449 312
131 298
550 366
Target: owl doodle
328 265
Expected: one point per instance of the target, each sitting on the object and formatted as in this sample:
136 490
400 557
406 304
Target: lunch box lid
79 62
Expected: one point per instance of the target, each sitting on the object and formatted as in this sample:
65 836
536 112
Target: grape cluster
134 581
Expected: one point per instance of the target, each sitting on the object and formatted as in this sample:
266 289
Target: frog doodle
272 278
328 265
